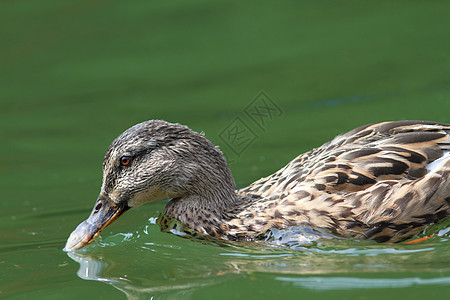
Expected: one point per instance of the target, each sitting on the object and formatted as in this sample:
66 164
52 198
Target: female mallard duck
383 182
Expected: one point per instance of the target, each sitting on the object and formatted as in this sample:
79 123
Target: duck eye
125 160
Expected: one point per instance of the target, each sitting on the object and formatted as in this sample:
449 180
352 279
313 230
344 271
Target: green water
75 74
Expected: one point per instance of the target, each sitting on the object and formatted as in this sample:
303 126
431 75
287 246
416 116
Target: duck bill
104 213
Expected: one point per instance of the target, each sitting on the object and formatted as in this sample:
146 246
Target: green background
75 74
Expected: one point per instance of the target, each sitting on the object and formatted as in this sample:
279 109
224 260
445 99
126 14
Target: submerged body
383 182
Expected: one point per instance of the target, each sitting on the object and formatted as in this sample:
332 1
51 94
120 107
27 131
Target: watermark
238 136
243 130
263 109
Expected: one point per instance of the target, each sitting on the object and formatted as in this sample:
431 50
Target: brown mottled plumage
370 183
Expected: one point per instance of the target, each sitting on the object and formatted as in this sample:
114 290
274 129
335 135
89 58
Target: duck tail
404 209
434 188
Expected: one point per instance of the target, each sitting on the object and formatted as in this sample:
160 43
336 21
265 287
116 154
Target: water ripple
344 283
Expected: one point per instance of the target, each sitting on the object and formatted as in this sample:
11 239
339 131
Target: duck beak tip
104 213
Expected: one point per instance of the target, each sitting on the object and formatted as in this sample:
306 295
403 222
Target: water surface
75 74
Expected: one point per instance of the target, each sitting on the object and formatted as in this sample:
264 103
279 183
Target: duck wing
371 182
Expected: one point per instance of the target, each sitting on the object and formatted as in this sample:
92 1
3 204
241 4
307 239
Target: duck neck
212 206
206 193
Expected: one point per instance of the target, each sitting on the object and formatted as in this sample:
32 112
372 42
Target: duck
383 182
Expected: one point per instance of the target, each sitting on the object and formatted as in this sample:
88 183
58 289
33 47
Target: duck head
152 161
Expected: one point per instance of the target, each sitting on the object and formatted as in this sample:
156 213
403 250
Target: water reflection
149 263
320 269
102 269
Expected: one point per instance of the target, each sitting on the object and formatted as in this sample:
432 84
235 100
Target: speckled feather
370 183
